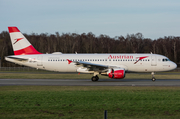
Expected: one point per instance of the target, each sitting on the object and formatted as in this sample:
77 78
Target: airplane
113 65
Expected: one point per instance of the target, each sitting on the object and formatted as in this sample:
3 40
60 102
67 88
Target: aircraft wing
90 66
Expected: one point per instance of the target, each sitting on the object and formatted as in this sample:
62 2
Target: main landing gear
95 78
153 78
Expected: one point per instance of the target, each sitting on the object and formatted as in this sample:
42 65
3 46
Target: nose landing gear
153 78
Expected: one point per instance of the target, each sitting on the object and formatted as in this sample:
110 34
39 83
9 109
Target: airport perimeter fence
17 69
34 69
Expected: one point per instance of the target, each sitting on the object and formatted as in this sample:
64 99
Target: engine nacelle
116 73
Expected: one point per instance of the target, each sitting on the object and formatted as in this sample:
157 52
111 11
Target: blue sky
152 18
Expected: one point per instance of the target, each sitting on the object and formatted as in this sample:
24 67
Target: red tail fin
21 45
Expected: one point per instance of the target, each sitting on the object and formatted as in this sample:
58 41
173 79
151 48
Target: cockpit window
165 60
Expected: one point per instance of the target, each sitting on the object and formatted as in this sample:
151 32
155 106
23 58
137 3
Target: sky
152 18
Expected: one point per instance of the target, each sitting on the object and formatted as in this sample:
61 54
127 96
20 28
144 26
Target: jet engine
116 73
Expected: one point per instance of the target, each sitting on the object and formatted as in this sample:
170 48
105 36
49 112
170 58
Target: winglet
69 61
140 58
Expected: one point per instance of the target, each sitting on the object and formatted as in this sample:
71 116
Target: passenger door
153 60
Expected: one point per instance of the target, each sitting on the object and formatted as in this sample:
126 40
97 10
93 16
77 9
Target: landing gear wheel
153 79
95 78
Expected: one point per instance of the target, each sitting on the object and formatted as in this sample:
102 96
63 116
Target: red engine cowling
117 73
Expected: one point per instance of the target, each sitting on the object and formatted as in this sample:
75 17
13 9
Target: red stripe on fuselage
30 50
13 29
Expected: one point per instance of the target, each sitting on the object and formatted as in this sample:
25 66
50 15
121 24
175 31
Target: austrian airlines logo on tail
140 58
21 46
16 40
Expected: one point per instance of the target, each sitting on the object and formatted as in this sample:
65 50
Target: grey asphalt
88 82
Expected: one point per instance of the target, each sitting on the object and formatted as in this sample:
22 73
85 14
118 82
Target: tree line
89 43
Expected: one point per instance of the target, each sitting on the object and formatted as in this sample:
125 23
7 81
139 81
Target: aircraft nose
173 65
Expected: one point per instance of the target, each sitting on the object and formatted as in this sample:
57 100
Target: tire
95 78
153 79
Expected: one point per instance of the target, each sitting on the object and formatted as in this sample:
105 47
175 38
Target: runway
88 82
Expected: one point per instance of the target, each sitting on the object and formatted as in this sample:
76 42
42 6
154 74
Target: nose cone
173 65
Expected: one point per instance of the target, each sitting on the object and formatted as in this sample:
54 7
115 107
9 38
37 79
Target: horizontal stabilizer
17 58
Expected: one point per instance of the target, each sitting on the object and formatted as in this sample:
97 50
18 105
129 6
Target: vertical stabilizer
21 45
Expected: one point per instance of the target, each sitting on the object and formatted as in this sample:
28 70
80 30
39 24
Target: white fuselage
129 62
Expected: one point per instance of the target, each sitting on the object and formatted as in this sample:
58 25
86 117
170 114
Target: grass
56 75
89 102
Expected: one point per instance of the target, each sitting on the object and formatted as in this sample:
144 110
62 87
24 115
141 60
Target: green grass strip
89 102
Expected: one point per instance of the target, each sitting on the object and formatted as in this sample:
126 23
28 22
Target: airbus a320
114 66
